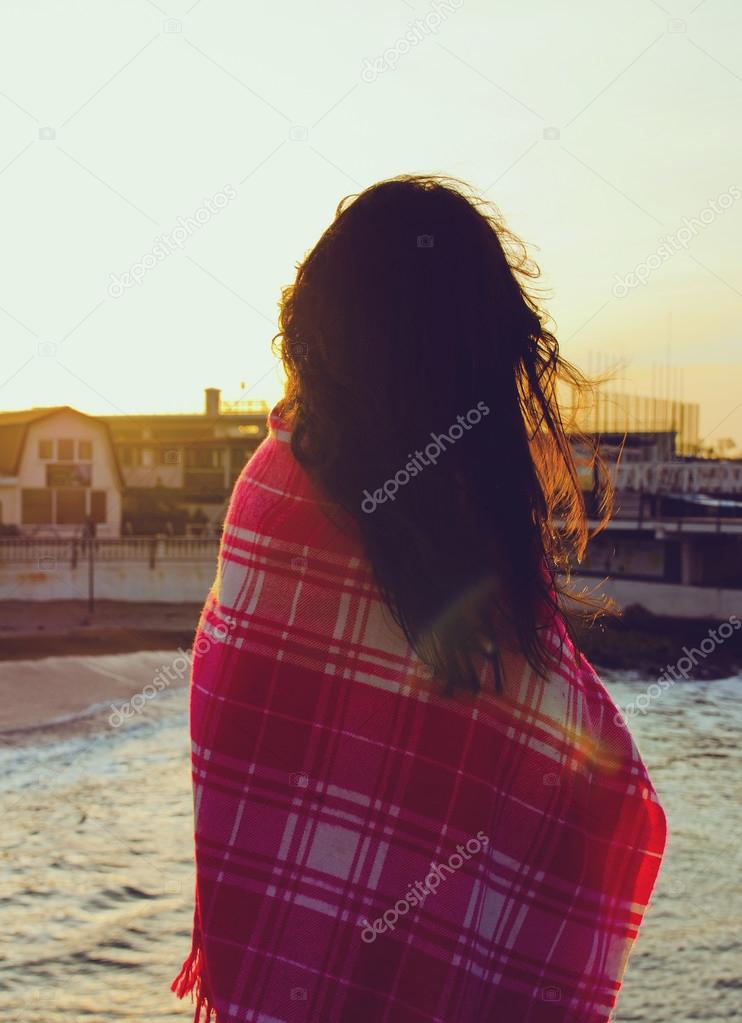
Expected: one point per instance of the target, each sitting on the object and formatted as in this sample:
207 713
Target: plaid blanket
368 851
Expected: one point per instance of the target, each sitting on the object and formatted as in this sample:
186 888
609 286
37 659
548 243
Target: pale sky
269 105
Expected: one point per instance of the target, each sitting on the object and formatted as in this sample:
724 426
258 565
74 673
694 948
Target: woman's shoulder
275 501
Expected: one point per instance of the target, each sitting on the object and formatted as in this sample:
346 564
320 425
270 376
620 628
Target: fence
151 550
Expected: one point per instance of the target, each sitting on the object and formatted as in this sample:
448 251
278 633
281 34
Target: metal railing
148 549
244 407
664 524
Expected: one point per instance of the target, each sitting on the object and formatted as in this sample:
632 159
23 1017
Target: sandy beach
58 663
29 630
39 624
67 695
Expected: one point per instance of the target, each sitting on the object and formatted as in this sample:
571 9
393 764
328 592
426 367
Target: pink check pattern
329 777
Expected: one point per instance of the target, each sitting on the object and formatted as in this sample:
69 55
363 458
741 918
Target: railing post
91 575
152 551
73 555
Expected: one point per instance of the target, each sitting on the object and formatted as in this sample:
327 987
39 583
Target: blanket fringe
190 980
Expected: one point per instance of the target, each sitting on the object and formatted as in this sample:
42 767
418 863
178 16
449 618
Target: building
674 543
58 471
179 470
639 415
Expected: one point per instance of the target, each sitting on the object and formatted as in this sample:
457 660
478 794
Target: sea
97 865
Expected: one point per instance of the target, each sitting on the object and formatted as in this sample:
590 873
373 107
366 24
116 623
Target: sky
164 166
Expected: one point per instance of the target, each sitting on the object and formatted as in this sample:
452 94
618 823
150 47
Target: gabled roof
30 415
14 429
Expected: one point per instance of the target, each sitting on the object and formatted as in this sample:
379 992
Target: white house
58 470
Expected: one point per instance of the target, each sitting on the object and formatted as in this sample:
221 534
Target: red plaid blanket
368 851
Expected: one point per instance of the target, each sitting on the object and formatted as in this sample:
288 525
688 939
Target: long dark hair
410 319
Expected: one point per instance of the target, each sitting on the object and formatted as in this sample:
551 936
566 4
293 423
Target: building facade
675 538
58 474
635 415
179 470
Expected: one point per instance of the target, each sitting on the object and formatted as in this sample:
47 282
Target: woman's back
370 850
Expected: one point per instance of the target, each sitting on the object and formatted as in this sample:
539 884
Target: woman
413 801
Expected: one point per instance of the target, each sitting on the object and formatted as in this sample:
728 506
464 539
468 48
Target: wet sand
49 616
65 627
71 694
58 663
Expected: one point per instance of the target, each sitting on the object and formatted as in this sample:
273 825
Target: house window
129 454
98 505
204 458
70 507
60 475
46 449
85 450
36 507
65 450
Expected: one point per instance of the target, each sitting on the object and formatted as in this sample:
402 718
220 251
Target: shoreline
61 670
91 641
61 628
46 699
635 640
639 641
